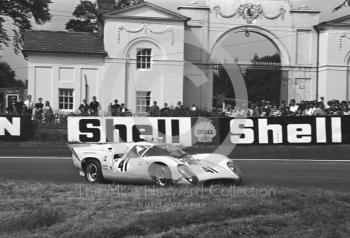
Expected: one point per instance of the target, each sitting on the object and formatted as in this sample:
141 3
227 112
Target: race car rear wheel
93 172
161 175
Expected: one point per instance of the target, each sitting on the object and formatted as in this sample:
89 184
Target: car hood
210 166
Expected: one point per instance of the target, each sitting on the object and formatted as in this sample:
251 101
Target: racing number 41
123 165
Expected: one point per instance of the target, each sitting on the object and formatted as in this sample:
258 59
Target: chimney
105 6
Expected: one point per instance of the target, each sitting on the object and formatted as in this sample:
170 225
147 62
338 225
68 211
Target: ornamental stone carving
250 12
146 28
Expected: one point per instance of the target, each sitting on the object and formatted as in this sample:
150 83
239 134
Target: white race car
151 162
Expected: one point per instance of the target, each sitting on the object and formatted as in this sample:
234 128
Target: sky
62 12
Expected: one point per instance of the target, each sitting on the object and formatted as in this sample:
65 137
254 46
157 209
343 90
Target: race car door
131 167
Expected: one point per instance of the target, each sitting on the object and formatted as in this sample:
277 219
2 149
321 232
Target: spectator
346 111
330 108
256 111
38 110
115 108
275 112
179 109
320 110
95 107
84 108
194 108
293 108
154 110
322 101
337 108
165 110
28 105
301 109
48 115
234 112
123 110
250 111
309 109
20 106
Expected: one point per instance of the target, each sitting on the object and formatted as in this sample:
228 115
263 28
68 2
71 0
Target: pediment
147 10
342 21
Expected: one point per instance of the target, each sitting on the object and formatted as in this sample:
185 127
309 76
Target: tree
87 17
127 3
346 3
21 12
8 77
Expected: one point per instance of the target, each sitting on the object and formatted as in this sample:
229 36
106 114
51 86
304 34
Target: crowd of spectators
43 112
264 108
40 111
117 109
303 108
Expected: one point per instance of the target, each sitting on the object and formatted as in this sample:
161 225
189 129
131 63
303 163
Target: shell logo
204 131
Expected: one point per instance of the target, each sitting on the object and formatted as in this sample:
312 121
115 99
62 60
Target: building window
66 99
143 101
143 59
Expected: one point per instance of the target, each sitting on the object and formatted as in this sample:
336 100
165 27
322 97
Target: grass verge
38 209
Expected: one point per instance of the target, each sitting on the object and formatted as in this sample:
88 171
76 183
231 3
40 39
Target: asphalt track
284 173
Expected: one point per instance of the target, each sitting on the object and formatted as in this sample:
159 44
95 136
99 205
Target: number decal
126 165
123 165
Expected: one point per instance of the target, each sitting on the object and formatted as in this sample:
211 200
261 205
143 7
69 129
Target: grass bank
38 209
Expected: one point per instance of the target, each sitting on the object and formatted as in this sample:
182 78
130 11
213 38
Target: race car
151 162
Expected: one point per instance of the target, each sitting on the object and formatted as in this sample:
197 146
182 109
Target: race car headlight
187 174
233 168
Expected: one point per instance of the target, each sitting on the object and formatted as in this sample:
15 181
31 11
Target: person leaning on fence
320 110
179 107
84 108
345 110
165 111
154 110
180 110
95 107
123 111
293 108
115 108
275 111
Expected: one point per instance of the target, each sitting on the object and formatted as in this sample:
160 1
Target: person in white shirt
293 108
28 105
310 109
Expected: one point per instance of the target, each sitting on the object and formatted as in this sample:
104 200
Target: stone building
163 51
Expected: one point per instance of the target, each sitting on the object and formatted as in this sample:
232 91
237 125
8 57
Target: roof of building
340 22
63 42
174 15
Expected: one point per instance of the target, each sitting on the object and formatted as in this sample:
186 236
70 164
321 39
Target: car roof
146 143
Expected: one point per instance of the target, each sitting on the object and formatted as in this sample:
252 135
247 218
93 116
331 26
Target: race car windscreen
165 150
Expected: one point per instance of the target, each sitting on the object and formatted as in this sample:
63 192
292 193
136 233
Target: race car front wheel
93 172
161 175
